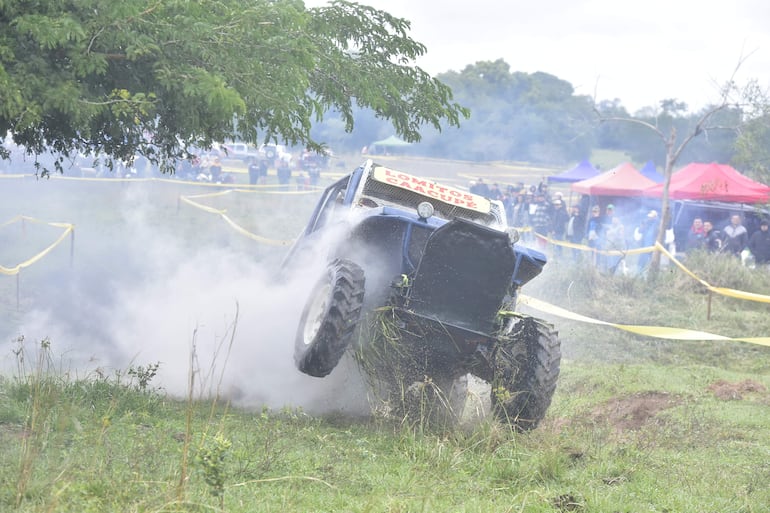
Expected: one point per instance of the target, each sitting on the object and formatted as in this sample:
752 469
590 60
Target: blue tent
582 171
650 171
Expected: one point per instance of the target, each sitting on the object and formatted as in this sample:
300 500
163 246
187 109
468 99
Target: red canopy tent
712 182
623 180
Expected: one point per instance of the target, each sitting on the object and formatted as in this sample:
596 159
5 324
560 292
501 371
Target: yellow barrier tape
68 229
739 294
205 208
582 247
229 221
648 331
280 188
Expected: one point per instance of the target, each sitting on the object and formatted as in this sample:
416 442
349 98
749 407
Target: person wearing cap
646 235
607 224
615 240
594 229
759 244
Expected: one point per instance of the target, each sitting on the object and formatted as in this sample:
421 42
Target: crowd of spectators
733 239
544 217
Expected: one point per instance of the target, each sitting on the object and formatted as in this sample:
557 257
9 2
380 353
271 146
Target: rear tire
525 369
329 319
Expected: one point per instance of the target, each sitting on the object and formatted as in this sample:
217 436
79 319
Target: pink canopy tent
712 182
623 180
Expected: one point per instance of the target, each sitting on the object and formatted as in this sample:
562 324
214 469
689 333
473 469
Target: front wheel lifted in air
329 319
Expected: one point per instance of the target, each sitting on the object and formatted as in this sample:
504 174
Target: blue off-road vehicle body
435 266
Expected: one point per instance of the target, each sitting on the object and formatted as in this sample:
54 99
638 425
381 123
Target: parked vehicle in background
238 151
273 152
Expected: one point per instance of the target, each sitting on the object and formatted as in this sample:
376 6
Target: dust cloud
139 293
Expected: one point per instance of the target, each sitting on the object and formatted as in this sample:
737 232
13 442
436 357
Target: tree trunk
665 214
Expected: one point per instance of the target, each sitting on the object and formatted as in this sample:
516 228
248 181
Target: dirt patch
728 391
632 412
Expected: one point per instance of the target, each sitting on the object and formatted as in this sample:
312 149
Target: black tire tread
526 369
323 354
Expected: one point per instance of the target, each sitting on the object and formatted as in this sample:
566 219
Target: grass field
89 424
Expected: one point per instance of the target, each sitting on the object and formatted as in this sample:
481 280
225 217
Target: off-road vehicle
421 282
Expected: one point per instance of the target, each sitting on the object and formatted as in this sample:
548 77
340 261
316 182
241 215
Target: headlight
424 210
514 234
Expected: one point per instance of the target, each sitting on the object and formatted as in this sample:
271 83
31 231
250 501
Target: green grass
105 444
637 424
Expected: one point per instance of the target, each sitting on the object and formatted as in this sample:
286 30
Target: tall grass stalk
42 390
211 450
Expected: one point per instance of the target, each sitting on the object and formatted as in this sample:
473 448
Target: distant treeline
538 118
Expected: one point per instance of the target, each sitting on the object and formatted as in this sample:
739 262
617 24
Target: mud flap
463 276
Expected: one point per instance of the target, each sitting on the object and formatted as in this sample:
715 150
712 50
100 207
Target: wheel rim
316 313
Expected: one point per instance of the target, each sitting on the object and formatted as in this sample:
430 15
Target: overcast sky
640 52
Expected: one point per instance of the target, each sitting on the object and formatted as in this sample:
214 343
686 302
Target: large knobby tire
525 370
329 319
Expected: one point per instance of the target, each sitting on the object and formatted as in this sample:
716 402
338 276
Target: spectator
606 220
615 240
262 171
495 193
594 230
508 200
712 239
734 236
541 220
542 188
519 212
253 171
646 234
283 172
759 244
696 236
574 231
559 220
480 188
215 170
609 213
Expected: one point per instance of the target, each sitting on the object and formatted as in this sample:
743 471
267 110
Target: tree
752 147
731 98
518 116
156 77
